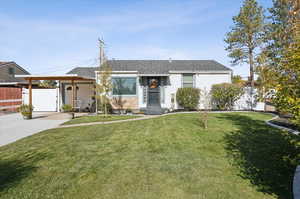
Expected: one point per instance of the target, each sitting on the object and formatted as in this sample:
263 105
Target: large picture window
124 85
187 81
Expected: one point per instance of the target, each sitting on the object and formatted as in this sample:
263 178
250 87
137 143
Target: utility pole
101 55
101 61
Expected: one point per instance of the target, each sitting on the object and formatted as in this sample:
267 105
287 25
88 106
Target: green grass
167 157
99 118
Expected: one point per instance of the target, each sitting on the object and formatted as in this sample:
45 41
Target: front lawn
99 118
166 157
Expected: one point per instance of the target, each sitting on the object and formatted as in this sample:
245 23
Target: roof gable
4 72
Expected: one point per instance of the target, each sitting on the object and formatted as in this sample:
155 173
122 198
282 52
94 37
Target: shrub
67 108
225 95
101 106
26 110
188 98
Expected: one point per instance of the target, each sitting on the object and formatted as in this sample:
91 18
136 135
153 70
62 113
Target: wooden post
73 94
30 95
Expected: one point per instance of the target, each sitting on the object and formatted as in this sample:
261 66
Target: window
124 85
187 81
11 71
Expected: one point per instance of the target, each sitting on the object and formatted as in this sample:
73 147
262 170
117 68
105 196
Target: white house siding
201 81
205 81
175 81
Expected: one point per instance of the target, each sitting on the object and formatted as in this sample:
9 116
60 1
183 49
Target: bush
26 110
188 98
101 106
67 108
225 95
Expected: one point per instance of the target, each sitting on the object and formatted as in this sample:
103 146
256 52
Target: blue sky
52 37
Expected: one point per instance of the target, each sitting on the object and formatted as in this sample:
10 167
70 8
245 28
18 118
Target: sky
54 36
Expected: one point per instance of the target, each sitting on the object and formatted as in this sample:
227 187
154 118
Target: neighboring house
8 70
11 86
147 85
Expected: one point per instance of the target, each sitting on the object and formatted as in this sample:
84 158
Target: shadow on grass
266 156
13 171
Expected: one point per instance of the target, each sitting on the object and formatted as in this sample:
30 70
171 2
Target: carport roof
55 77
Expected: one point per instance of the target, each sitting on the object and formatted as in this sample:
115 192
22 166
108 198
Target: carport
72 78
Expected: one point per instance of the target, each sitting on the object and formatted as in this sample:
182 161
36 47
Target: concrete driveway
13 127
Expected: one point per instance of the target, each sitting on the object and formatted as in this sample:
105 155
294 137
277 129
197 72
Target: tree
278 30
267 78
104 86
237 79
288 87
206 103
246 35
48 84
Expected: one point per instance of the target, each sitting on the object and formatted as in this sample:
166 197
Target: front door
154 94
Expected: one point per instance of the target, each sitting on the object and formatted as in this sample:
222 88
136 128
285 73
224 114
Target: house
146 85
11 86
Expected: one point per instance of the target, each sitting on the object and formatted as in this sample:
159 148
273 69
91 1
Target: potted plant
26 111
67 108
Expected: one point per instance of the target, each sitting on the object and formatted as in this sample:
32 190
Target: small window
187 81
124 85
11 71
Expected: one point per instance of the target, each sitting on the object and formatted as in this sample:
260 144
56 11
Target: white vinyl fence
244 103
42 99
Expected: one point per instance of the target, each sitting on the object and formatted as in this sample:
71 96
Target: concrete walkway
111 122
13 127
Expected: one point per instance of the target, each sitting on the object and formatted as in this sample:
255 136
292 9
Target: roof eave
201 72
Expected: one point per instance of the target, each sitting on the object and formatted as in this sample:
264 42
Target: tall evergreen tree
246 35
278 31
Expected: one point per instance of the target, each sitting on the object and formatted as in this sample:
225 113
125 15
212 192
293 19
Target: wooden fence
10 98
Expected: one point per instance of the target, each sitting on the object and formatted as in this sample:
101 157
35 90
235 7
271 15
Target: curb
268 122
296 181
296 184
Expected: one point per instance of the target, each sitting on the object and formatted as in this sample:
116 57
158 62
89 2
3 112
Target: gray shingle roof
154 66
6 77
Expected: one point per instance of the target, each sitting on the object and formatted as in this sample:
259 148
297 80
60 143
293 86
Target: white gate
42 99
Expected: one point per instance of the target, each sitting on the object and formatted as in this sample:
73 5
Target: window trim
125 95
189 82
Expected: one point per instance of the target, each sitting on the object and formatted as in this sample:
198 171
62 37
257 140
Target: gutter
201 72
